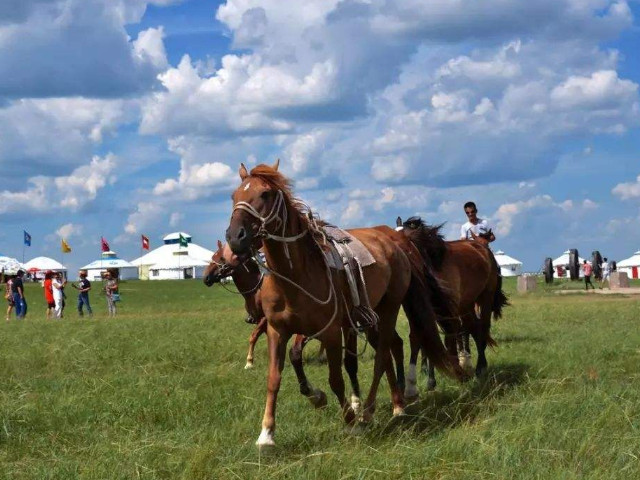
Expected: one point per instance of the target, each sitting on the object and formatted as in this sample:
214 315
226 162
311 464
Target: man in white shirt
606 271
475 226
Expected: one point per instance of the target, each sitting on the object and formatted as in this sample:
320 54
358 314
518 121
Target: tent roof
104 263
564 259
503 259
176 236
10 265
164 254
179 261
44 263
632 261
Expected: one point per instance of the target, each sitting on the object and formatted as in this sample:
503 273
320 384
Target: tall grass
160 392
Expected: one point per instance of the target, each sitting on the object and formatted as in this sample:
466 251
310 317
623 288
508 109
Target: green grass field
160 392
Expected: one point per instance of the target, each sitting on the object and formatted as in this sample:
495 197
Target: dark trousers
587 282
20 304
83 299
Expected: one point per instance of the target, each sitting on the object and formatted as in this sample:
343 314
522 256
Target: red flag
145 243
105 245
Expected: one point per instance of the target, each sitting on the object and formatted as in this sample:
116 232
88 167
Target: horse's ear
243 172
276 165
398 222
219 245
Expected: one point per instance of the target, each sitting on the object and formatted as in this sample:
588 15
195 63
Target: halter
281 219
224 266
274 215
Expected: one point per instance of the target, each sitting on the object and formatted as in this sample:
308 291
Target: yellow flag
65 246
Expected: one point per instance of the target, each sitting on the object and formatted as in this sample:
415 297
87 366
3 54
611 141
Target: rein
224 266
282 218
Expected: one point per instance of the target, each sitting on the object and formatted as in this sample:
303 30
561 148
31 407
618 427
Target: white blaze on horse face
247 186
399 229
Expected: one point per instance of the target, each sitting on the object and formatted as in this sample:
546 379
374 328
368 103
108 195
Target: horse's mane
429 240
278 181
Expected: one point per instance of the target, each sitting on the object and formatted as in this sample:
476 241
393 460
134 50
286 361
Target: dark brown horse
303 295
470 273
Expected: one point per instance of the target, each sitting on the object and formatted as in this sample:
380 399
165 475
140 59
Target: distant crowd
53 286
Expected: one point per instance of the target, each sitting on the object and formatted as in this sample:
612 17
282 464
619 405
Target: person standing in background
83 288
111 291
19 300
48 294
58 293
606 271
8 294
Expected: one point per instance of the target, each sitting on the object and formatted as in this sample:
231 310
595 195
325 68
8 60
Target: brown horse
469 271
303 295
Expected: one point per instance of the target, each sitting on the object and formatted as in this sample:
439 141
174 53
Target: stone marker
618 280
527 283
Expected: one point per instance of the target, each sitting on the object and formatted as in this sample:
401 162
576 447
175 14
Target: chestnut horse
303 295
469 271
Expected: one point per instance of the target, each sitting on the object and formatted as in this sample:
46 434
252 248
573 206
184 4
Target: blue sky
127 117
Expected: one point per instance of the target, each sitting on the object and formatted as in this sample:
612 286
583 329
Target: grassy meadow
160 393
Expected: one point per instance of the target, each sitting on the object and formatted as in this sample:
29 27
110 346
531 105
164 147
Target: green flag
183 241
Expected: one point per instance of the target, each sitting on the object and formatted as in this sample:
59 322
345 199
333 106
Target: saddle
346 253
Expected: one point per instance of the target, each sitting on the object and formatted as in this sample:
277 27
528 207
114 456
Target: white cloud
627 190
69 192
69 230
602 89
62 40
175 219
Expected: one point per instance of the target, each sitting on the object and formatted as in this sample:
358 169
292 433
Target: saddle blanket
344 248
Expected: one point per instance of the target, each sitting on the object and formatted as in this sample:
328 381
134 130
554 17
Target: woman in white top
58 284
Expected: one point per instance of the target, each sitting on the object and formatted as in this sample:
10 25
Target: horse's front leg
316 396
277 342
253 339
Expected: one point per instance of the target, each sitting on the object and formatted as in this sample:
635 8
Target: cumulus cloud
627 190
62 40
69 230
70 192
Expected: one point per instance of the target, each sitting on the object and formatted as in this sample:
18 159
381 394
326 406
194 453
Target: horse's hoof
480 372
431 385
248 366
318 399
265 442
409 399
355 404
398 411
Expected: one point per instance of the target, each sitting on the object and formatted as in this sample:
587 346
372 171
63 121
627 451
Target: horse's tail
491 342
422 318
499 298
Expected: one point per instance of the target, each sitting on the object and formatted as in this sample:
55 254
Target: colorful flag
65 246
105 245
27 238
183 241
145 243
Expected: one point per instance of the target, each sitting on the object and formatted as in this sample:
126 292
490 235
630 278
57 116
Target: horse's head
257 208
483 238
221 265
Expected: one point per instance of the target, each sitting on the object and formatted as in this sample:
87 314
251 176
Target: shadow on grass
519 339
441 410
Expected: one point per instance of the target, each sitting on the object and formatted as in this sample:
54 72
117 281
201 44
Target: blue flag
27 238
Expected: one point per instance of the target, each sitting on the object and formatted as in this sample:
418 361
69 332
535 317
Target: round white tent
509 266
173 261
561 265
631 265
9 266
108 260
40 265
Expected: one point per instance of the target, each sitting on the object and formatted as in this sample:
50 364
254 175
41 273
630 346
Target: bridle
279 215
225 270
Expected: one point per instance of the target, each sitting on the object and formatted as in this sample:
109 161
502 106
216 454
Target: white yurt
509 266
39 265
561 265
171 261
631 265
110 259
9 265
